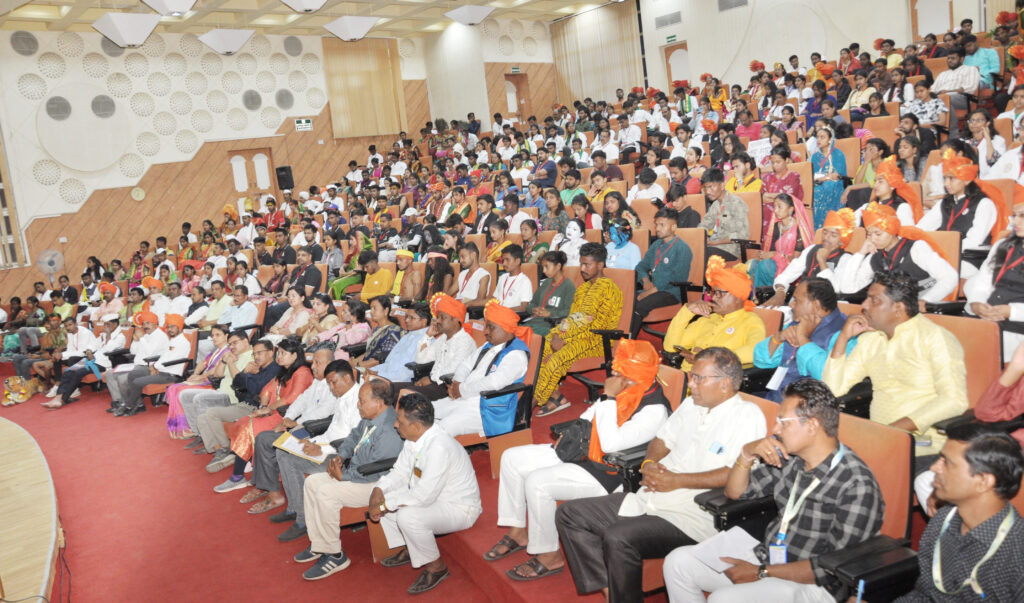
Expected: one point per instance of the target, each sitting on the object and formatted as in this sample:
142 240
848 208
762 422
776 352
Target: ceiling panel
405 17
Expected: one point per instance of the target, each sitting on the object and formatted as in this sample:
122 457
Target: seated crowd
333 347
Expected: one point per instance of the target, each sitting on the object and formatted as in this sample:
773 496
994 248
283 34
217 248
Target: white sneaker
52 393
76 394
248 467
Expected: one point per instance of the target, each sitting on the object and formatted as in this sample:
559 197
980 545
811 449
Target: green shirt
666 262
64 310
556 298
569 194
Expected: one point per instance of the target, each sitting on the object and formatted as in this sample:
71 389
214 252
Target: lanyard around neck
795 503
972 580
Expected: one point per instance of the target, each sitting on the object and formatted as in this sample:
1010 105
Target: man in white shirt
474 280
374 155
197 309
431 490
81 344
498 363
240 313
513 215
247 232
604 143
158 303
519 170
514 288
606 539
497 126
446 344
168 368
534 478
629 138
148 341
176 302
398 167
958 81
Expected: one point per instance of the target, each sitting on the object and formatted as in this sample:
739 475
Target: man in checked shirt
827 497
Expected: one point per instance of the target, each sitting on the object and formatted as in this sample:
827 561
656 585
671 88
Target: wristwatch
762 571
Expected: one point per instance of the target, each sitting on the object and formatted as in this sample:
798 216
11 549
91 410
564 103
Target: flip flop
265 505
510 545
539 569
253 495
565 404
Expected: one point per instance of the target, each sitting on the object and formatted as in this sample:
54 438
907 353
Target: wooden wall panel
110 223
417 106
541 78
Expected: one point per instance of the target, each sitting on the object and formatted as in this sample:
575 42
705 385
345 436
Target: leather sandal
511 546
265 505
398 559
252 496
539 571
428 580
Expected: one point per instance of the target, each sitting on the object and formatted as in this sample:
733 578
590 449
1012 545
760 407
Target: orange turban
638 361
843 220
230 210
141 317
825 69
105 287
884 217
756 66
152 283
894 177
709 126
174 319
964 169
734 281
442 302
507 319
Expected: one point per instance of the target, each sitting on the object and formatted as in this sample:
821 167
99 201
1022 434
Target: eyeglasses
698 379
718 292
784 419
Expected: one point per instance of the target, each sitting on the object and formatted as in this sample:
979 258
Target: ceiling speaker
226 41
305 6
170 8
469 14
351 29
127 30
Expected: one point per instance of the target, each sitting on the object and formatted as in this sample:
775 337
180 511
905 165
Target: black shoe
194 443
121 411
114 406
134 411
283 516
292 533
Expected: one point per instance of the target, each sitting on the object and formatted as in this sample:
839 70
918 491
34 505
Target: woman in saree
324 318
295 318
138 270
499 241
206 246
189 278
780 179
789 233
533 248
278 281
293 379
385 333
829 165
207 371
353 328
357 243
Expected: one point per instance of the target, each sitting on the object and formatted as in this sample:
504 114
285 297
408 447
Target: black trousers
643 307
606 550
430 392
70 379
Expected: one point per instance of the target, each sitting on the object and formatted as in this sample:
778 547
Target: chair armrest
628 457
756 379
419 370
886 566
282 410
672 359
747 243
753 514
178 361
515 388
857 401
356 349
955 308
377 466
607 335
448 379
968 417
558 428
1011 327
151 359
247 327
317 426
118 352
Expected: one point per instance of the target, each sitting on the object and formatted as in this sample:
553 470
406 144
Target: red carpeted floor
142 522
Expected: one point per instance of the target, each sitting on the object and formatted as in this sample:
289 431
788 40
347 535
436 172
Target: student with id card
828 500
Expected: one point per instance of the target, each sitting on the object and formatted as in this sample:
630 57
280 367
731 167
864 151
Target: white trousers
323 499
415 528
687 579
533 480
460 416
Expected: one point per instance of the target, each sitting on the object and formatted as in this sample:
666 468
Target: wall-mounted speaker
284 177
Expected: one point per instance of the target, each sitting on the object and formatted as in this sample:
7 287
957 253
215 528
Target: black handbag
573 440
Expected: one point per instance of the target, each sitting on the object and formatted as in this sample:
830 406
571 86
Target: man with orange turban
973 207
149 341
168 368
825 260
725 319
498 363
446 344
607 538
109 304
534 478
891 246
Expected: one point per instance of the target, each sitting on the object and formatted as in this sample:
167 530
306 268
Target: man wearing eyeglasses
606 539
803 456
727 320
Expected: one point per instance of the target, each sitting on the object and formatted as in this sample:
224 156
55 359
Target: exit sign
670 39
304 125
515 70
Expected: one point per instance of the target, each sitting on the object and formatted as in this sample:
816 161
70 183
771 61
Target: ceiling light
127 30
226 41
170 8
305 6
469 14
351 29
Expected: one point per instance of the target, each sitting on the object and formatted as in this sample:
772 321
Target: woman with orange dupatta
789 233
534 477
892 190
292 380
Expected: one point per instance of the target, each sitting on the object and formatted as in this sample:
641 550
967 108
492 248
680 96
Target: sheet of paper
734 542
293 445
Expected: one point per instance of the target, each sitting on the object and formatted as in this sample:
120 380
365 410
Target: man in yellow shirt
916 367
727 321
378 280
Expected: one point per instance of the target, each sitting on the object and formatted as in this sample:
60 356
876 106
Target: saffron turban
894 177
825 69
152 283
108 287
507 319
174 319
964 169
709 126
843 220
638 361
734 281
442 302
884 218
142 317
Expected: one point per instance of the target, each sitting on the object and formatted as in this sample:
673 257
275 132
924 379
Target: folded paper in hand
734 542
293 445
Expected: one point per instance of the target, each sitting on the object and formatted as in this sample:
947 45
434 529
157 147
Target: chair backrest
698 202
850 148
772 320
480 240
936 66
696 239
264 274
642 238
476 330
323 275
883 127
892 108
1007 186
645 210
628 173
769 408
533 272
754 209
593 235
806 173
619 185
492 269
949 242
1004 127
673 383
626 280
934 158
980 340
524 410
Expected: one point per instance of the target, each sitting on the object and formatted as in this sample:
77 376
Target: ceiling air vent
727 4
669 19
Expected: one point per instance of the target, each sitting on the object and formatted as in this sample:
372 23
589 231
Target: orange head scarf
442 302
894 177
825 69
734 281
638 361
174 319
884 218
506 319
145 316
231 210
964 169
709 126
105 287
152 283
843 220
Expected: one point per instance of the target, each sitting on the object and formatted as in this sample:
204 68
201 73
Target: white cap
160 250
410 212
304 195
245 214
110 317
287 190
331 186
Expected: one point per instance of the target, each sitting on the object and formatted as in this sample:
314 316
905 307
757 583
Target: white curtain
597 52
